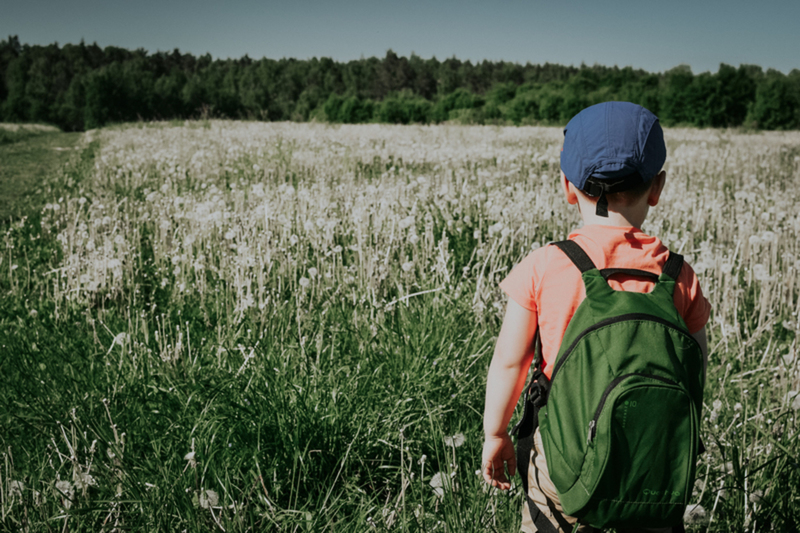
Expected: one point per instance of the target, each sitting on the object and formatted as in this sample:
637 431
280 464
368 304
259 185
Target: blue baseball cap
611 147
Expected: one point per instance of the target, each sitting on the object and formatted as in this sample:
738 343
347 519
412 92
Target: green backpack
620 426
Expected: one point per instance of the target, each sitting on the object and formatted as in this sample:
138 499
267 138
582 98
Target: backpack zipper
614 320
616 381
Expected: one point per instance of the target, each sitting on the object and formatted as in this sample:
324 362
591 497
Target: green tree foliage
777 102
80 86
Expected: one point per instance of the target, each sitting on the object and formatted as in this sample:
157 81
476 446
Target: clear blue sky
644 34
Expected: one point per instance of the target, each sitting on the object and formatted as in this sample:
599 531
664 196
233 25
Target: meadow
244 326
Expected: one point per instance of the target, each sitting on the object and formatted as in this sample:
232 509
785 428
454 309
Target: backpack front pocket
641 442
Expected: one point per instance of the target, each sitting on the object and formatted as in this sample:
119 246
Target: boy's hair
630 196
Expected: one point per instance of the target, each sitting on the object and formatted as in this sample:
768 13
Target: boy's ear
656 188
569 190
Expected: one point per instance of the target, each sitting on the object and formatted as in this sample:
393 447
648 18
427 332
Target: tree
776 104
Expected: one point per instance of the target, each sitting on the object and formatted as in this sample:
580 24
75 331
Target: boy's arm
509 368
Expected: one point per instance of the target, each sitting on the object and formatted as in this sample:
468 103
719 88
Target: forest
79 86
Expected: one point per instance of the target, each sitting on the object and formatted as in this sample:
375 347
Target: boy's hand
498 450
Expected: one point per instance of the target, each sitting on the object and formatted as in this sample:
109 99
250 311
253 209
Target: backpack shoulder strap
673 266
576 254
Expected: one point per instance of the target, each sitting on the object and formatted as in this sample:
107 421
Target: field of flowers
245 326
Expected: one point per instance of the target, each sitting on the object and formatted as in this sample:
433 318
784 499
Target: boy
611 166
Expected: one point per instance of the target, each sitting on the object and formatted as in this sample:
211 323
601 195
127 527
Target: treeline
79 86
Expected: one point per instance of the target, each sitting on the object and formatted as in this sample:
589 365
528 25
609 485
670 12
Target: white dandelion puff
694 514
455 441
208 499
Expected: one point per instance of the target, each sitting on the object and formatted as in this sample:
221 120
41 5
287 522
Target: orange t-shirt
548 284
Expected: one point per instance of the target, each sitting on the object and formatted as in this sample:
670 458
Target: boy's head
613 149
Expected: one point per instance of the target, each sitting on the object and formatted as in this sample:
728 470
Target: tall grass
287 326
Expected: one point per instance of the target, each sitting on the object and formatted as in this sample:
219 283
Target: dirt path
25 164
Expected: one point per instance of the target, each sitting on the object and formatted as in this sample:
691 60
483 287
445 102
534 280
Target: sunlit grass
253 326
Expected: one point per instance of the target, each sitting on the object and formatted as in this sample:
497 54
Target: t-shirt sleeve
692 305
519 284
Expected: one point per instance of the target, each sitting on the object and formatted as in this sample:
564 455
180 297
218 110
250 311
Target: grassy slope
305 436
27 158
323 435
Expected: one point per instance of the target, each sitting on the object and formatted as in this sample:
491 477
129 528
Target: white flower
694 514
476 234
495 228
190 457
65 490
304 282
437 482
82 480
406 222
761 273
15 489
794 397
229 235
413 238
208 499
455 441
312 272
407 266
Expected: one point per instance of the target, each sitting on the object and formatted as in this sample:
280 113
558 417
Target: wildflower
312 272
82 480
65 490
15 489
208 499
407 266
191 458
794 397
437 482
304 282
476 234
495 228
413 238
406 222
694 514
455 441
761 273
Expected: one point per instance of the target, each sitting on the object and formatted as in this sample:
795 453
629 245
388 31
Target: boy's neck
623 216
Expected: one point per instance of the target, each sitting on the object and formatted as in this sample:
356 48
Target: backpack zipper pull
589 438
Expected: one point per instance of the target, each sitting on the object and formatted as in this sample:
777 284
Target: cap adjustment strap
596 187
